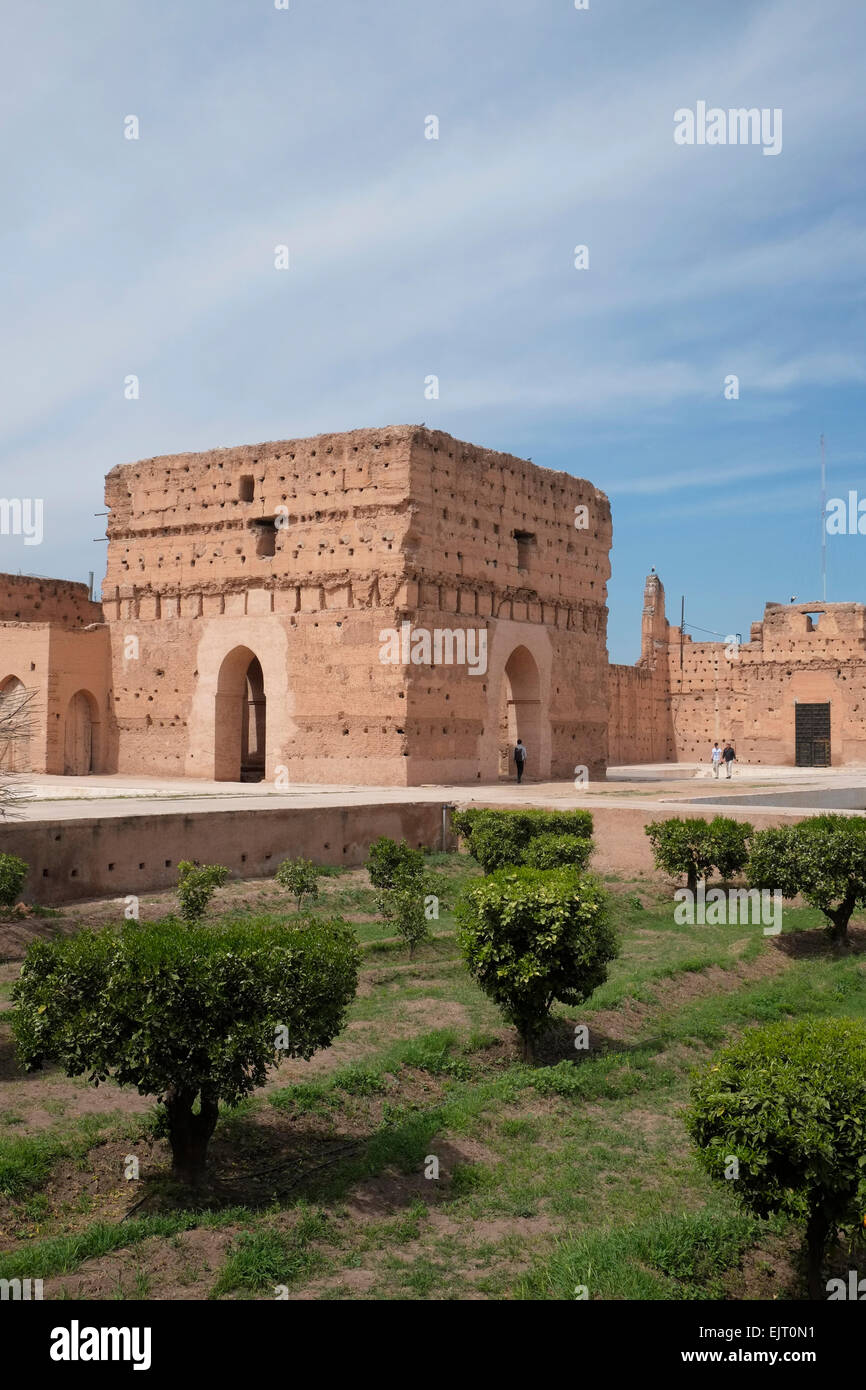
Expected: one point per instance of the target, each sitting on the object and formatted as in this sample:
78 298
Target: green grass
576 1173
65 1254
26 1160
261 1260
671 1257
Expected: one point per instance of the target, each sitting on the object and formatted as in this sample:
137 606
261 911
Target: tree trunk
692 881
528 1048
817 1229
839 918
189 1133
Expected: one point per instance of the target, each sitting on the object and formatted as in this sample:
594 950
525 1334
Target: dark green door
812 735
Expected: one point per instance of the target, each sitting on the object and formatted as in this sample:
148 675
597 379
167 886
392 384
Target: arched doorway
14 726
520 712
253 730
79 736
241 718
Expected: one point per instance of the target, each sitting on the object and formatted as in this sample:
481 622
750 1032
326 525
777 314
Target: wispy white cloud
413 257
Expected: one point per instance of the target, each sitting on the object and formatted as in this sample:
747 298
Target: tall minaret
654 626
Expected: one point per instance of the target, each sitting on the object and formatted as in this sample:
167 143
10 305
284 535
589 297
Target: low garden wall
72 860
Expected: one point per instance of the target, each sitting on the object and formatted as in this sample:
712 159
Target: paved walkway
645 786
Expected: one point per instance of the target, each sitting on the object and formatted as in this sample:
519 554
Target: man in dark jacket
728 757
520 759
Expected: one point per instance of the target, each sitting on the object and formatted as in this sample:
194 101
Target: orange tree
191 1016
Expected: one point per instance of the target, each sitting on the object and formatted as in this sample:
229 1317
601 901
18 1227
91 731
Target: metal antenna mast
823 522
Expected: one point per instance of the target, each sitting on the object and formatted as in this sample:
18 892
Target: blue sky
453 257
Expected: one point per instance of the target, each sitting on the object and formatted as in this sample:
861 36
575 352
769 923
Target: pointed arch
80 735
240 718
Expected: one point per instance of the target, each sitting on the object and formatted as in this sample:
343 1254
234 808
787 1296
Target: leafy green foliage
181 1014
532 936
554 851
681 847
822 858
695 847
730 841
300 876
196 885
13 872
498 839
788 1102
406 893
404 906
389 861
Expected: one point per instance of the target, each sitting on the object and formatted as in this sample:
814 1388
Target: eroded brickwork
54 645
640 728
25 599
301 555
800 654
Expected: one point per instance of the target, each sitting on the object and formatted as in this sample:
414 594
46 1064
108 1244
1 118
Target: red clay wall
26 599
544 600
381 527
749 693
701 692
72 860
639 729
57 647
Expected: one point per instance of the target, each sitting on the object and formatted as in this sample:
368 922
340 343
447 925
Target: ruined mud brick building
249 592
393 606
53 643
795 693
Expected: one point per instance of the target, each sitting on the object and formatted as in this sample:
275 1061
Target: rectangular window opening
526 544
265 528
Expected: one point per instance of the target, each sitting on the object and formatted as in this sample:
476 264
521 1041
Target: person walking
716 758
728 757
520 759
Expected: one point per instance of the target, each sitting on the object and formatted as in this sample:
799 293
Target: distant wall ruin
802 669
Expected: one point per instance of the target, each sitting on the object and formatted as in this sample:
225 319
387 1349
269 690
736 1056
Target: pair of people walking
724 755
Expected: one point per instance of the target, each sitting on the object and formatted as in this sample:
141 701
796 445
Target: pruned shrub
13 872
729 840
786 1104
695 847
192 1018
196 885
530 937
494 838
822 858
497 839
300 876
389 861
555 851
